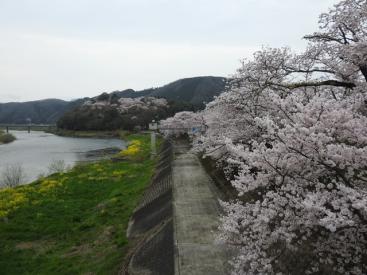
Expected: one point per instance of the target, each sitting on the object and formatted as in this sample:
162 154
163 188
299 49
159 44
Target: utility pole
153 127
29 124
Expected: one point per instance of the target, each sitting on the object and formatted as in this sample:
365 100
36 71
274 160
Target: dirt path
196 218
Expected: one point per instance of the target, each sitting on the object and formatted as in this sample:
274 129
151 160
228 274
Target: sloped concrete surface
151 228
196 213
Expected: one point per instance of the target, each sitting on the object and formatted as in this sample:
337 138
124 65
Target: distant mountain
195 90
46 111
130 93
188 93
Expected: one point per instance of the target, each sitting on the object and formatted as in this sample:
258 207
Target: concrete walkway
196 218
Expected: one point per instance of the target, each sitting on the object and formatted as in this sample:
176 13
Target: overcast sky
75 48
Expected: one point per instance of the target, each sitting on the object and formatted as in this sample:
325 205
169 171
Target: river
35 151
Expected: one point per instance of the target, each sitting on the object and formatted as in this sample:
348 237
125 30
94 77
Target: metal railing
27 127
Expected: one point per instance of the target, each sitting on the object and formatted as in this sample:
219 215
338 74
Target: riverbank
36 151
74 222
6 137
88 134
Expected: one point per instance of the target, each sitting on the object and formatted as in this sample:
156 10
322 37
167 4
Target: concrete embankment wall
151 226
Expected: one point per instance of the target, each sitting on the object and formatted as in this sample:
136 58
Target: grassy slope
75 223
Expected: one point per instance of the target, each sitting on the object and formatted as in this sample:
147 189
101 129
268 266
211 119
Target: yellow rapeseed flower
11 199
118 173
133 149
48 185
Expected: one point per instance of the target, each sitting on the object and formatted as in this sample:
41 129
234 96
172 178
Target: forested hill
195 90
46 111
192 92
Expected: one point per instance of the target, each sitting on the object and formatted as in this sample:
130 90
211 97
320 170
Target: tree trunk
363 69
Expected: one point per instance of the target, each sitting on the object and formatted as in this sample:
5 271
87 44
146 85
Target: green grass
74 223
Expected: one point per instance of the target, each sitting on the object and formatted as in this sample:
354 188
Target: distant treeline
110 117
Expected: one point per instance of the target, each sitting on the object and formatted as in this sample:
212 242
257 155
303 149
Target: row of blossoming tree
291 134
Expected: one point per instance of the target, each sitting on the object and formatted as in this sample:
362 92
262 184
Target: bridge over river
28 127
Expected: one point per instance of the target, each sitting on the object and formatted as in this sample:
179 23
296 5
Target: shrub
57 166
12 175
6 138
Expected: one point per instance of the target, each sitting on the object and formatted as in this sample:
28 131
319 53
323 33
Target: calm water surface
36 150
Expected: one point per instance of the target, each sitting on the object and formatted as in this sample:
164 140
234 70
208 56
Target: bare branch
316 70
343 35
334 83
323 37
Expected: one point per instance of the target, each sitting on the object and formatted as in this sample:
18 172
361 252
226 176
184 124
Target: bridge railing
27 127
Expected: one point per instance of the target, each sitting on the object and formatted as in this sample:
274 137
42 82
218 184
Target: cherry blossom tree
341 44
306 180
182 123
291 133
